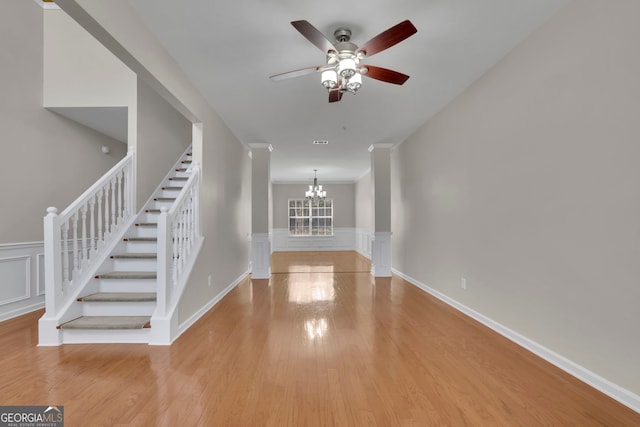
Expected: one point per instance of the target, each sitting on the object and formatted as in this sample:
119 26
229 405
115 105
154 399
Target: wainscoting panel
21 278
343 239
16 279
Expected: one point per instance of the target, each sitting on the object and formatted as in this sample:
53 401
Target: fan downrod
342 34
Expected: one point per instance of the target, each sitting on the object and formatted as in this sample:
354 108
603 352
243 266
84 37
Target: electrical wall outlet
463 283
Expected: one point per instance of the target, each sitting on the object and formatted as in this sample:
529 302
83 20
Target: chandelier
315 191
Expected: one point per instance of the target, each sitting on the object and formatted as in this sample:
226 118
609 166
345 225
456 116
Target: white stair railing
178 235
74 240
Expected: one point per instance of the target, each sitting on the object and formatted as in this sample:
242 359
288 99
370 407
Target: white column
260 211
381 194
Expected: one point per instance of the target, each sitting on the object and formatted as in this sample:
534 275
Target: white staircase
119 300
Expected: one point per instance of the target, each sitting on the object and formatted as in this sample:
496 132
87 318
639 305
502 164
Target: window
310 217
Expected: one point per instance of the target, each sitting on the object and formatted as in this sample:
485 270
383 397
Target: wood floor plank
319 344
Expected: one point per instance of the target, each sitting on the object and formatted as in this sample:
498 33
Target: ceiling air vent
320 142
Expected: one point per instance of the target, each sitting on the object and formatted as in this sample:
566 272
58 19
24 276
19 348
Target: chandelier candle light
315 191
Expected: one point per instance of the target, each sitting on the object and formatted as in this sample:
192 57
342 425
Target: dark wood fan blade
335 95
388 38
312 34
385 75
295 73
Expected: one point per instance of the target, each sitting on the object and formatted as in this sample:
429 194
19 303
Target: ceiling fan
343 71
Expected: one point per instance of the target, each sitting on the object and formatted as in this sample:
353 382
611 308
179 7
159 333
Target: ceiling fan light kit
343 71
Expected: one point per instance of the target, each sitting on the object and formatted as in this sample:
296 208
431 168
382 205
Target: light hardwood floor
319 344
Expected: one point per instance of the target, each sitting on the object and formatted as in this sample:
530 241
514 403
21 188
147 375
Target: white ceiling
230 48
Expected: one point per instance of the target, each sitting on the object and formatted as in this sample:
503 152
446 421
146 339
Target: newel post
165 251
52 263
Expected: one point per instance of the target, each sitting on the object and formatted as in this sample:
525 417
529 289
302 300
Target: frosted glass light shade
347 67
354 82
329 79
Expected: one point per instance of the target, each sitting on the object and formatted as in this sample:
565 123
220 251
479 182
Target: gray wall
39 149
364 203
527 186
343 196
163 135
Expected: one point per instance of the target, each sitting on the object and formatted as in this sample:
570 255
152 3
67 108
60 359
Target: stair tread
178 178
135 255
128 275
170 188
140 239
119 297
108 322
146 224
164 199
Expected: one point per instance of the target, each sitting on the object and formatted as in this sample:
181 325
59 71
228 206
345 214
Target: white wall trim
40 277
381 254
261 255
27 278
21 245
198 314
10 314
24 295
364 242
343 239
607 387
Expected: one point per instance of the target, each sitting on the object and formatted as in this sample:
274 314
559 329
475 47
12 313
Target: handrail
178 234
74 240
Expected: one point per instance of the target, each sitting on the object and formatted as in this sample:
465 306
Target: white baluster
181 243
119 216
107 230
176 254
114 217
92 226
128 190
188 223
76 253
65 253
85 250
100 220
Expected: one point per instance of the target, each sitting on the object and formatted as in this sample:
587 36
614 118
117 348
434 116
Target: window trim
310 217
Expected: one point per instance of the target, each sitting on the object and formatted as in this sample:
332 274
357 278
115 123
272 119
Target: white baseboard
198 314
20 311
607 387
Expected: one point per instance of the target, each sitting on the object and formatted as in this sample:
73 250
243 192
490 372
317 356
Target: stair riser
103 336
126 285
157 204
174 183
121 264
118 308
141 247
148 217
184 174
143 232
